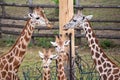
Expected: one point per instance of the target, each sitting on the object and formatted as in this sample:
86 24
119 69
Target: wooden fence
30 6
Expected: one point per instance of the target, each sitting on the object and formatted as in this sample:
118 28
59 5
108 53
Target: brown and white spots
106 68
47 58
10 62
103 64
62 48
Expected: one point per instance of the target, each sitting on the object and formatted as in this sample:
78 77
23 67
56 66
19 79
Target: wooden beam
65 14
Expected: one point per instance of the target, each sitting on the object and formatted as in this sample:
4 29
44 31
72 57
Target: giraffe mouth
65 27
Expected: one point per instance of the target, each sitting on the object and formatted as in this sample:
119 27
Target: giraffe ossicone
106 68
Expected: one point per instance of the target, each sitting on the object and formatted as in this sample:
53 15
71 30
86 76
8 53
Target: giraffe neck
102 62
46 74
60 70
10 62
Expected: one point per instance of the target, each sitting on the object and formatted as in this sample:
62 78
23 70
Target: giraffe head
77 19
60 45
47 57
38 17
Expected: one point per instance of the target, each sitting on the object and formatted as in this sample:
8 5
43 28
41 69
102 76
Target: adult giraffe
10 62
107 69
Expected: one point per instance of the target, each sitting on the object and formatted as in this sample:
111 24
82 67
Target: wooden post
0 30
3 8
65 14
77 3
30 2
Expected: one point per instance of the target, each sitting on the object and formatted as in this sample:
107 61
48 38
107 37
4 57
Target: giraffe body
107 69
10 62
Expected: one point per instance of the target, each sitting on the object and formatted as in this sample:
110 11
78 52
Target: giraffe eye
37 18
74 20
55 46
50 58
83 17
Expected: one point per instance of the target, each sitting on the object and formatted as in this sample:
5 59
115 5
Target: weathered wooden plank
56 6
53 35
55 19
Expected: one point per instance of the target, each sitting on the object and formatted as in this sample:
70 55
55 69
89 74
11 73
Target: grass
32 60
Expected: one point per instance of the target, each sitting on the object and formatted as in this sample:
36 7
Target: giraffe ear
54 56
66 43
30 15
41 54
89 17
53 43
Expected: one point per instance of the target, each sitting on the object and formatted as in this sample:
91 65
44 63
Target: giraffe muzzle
45 66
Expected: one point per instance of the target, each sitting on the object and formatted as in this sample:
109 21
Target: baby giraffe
61 47
47 58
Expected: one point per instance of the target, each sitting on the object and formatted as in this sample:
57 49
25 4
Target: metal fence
83 70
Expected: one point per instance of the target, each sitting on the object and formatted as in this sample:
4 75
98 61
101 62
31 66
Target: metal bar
22 18
71 78
57 27
55 6
27 5
30 8
54 19
96 6
53 35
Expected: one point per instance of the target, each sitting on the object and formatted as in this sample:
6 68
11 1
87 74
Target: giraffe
107 69
47 58
61 47
10 62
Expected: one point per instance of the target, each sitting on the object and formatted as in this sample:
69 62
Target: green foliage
56 1
8 41
44 42
106 44
56 32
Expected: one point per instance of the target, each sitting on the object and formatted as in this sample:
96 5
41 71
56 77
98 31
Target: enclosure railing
30 6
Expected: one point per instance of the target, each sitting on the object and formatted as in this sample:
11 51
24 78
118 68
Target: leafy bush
56 1
44 42
106 44
7 41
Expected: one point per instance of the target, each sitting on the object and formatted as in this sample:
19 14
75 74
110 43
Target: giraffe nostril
45 67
